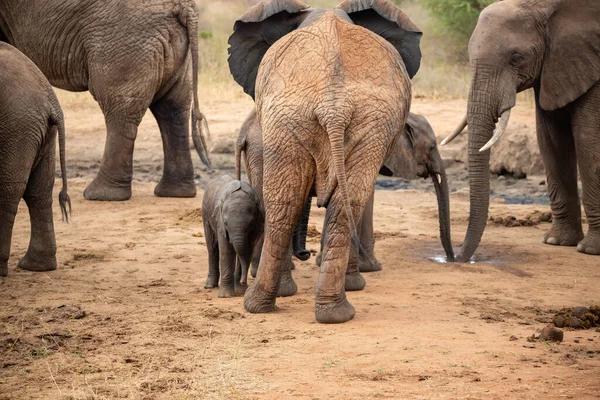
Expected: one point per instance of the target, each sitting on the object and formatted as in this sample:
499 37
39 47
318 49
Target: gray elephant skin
414 154
233 224
332 88
30 118
553 47
131 55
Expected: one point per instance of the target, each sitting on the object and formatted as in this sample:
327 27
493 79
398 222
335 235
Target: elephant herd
332 93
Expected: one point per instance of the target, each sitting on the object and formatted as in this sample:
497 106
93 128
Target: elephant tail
189 18
63 197
334 114
336 133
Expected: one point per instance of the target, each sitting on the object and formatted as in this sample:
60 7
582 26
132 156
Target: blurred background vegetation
446 24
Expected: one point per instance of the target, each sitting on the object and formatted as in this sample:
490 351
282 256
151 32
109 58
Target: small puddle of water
444 260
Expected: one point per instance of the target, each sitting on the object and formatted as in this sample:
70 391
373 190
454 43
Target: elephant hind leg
41 254
172 112
558 153
332 305
285 190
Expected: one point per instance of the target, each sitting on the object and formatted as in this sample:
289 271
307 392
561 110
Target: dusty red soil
126 316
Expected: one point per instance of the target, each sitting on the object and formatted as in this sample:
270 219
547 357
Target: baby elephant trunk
243 249
299 237
440 182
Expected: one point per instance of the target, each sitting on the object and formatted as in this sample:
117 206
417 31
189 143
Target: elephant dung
551 334
578 317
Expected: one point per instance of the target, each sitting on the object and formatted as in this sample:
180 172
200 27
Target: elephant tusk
439 178
499 131
457 131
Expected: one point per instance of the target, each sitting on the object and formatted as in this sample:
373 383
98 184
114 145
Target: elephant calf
30 117
233 223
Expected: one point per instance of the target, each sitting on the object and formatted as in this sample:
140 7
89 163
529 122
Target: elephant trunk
482 116
299 237
440 182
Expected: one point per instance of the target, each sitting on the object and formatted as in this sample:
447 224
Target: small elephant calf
30 118
233 224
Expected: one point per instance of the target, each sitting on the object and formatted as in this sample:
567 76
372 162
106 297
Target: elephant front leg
41 254
256 255
8 210
173 116
366 257
586 130
212 245
227 267
558 153
287 286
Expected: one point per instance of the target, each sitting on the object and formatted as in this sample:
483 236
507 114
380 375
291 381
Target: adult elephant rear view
332 88
131 55
552 46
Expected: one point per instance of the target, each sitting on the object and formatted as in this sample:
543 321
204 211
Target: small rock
551 334
512 338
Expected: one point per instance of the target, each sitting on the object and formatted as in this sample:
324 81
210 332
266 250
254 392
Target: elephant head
239 217
268 21
415 154
552 46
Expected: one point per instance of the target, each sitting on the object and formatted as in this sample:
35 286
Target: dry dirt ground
126 315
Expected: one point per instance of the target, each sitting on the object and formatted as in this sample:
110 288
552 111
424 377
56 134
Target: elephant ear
401 161
388 21
572 61
256 31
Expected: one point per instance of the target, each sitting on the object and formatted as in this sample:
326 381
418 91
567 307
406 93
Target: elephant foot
167 189
240 289
226 291
37 264
211 283
100 190
334 312
590 244
354 281
563 236
369 264
287 286
4 269
254 270
258 300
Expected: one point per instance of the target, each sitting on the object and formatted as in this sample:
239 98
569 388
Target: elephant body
330 96
554 48
233 224
131 55
30 117
414 154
